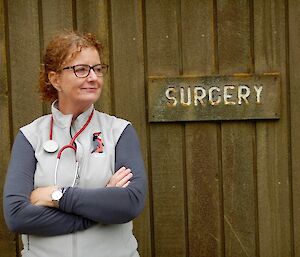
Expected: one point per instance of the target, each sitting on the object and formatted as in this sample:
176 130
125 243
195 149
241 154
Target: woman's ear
54 80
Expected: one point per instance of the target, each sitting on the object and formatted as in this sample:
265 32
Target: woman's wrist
42 196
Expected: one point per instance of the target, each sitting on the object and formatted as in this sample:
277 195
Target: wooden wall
215 188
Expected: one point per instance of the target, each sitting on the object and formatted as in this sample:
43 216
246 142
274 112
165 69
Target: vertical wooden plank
7 242
129 88
203 179
294 53
234 36
198 37
237 137
202 155
168 197
24 52
239 202
93 16
272 137
162 38
24 61
55 16
167 160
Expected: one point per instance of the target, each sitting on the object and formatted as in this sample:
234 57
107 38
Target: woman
76 177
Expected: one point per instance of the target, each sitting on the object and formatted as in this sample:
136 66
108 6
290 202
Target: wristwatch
56 195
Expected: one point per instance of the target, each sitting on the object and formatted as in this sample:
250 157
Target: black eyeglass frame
103 66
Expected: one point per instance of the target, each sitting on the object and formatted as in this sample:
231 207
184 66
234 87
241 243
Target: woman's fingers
125 185
124 180
120 178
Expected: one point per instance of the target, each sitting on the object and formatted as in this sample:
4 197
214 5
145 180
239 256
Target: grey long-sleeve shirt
79 208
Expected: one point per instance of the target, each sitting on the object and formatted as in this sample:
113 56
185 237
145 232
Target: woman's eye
81 69
98 69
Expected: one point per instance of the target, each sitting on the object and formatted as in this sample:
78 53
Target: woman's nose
92 75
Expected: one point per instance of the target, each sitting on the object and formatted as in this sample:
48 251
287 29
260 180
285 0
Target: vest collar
65 120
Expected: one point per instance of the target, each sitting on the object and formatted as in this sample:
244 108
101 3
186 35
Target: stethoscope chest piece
50 146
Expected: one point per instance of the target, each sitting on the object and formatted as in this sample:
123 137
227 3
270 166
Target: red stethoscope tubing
70 145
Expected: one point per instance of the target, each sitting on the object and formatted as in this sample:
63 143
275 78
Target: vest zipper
74 245
27 242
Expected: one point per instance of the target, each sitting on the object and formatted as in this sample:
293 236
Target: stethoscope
51 146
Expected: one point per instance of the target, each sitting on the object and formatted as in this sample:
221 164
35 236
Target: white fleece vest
95 171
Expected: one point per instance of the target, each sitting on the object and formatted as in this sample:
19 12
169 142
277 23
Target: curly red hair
63 47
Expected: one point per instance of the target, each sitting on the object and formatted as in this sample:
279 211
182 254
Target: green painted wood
7 242
167 160
24 49
204 177
294 94
273 189
234 48
93 16
129 89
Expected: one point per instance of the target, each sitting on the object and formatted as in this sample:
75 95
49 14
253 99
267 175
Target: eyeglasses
83 70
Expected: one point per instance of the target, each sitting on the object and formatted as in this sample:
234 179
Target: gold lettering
227 95
243 93
189 99
258 91
210 96
199 97
168 93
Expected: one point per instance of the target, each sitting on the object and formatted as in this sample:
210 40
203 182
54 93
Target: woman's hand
121 178
42 196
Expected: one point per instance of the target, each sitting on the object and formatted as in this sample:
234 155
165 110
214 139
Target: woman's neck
74 110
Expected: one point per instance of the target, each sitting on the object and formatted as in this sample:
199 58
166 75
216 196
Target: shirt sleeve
20 215
113 205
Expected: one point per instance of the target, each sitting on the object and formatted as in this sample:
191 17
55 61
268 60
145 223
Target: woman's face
73 92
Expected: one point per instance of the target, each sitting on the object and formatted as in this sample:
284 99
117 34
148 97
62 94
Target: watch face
56 195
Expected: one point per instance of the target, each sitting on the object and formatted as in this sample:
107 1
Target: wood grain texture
198 36
7 239
167 160
162 37
216 188
24 61
129 89
239 185
93 16
55 17
238 189
203 186
272 137
234 36
168 196
294 94
204 177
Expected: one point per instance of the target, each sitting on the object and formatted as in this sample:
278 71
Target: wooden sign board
234 97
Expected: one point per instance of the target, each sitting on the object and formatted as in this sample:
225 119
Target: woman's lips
90 89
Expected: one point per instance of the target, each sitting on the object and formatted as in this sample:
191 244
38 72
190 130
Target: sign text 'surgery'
214 98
